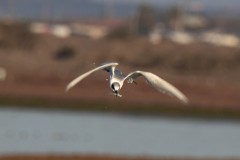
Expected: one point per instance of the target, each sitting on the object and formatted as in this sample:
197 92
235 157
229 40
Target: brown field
39 68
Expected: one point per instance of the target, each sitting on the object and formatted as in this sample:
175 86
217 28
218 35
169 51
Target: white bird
116 80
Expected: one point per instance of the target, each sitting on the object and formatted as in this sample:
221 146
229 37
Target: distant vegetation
14 35
132 51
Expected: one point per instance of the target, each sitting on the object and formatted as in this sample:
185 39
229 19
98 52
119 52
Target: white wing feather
158 83
81 77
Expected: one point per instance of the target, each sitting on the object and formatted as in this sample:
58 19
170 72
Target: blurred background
193 44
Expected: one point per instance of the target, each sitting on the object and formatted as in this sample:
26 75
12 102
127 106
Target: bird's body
116 80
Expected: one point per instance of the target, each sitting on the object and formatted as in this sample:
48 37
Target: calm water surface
32 131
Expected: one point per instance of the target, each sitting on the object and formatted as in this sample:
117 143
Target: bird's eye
112 86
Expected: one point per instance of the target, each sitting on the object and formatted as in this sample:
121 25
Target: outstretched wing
105 66
158 83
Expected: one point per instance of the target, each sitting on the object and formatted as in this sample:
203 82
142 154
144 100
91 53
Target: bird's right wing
81 77
158 83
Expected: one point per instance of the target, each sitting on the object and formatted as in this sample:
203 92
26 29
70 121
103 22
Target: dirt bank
208 75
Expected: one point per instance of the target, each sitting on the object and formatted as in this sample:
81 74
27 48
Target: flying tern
116 80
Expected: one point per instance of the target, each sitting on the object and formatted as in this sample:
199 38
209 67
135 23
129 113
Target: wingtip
185 100
68 88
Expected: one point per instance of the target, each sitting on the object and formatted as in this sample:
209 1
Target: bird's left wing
81 77
158 83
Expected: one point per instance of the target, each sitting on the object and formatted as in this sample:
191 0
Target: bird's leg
118 95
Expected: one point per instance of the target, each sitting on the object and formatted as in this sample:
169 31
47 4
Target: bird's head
115 87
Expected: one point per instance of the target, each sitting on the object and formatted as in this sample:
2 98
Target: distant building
194 21
58 30
220 39
39 28
61 30
96 29
156 35
88 30
180 37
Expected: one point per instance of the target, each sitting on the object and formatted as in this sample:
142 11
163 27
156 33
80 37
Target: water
29 131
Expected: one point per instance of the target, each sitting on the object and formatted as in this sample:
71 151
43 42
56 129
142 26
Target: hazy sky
92 8
208 2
